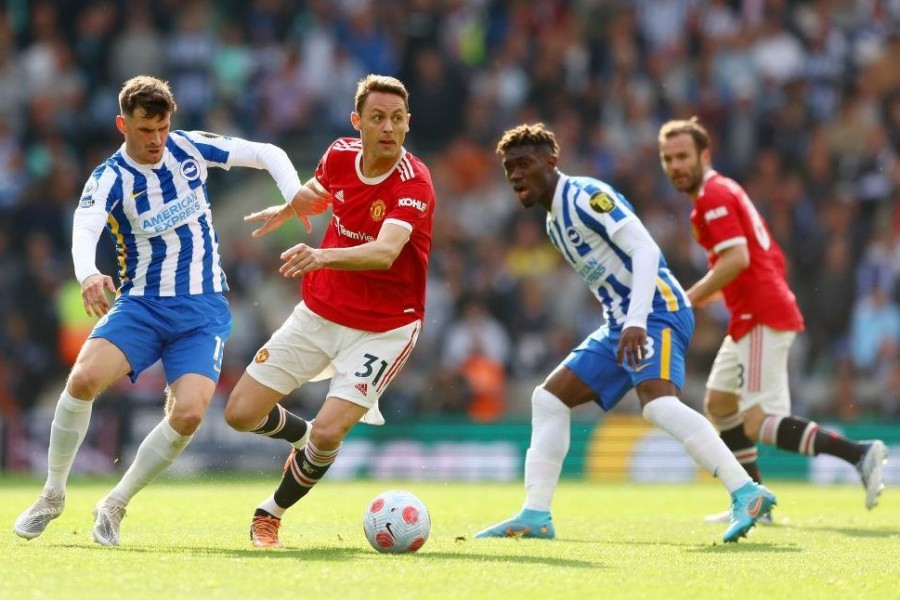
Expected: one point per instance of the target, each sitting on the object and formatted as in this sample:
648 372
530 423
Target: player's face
145 138
532 174
682 163
383 126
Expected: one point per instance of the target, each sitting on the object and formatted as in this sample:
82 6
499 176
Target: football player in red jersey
747 393
363 297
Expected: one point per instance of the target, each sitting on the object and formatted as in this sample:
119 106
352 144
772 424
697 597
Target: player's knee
186 422
237 417
327 436
542 401
720 405
84 383
752 423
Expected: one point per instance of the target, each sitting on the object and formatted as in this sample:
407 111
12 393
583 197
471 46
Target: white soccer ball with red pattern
396 521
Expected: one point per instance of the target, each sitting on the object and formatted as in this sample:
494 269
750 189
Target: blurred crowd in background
802 100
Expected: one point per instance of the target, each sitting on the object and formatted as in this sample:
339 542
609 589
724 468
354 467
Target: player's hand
703 302
300 260
631 351
272 218
310 201
93 294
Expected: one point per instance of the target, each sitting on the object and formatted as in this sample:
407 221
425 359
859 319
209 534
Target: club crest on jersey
190 169
377 210
574 236
261 356
601 202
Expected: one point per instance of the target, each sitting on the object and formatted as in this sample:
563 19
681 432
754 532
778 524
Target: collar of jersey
133 163
383 176
558 192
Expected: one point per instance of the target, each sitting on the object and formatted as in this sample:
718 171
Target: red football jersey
374 300
724 216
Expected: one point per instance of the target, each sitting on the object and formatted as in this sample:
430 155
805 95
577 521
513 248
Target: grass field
190 540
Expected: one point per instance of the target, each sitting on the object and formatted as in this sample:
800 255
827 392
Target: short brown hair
148 93
379 83
528 135
691 126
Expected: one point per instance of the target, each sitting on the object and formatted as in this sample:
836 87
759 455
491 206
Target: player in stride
747 394
649 323
151 196
363 296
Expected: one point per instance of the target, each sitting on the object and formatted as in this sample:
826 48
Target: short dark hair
379 83
148 93
691 126
528 135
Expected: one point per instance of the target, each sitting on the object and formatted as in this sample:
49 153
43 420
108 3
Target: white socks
270 506
158 450
699 437
550 433
70 424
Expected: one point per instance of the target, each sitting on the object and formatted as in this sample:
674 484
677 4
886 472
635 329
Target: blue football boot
527 524
749 503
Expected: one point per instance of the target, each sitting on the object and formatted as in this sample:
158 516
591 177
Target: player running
649 323
748 398
151 196
363 298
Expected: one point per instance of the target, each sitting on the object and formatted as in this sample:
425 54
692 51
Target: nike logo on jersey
136 194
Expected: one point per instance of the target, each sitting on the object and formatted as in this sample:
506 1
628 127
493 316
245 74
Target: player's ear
120 124
354 120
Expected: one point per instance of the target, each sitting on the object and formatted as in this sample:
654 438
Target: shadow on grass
848 531
747 548
718 546
620 542
333 553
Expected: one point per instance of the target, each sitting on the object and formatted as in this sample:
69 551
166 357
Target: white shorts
756 369
360 364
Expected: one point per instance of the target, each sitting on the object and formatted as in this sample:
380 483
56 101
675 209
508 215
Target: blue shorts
594 360
187 332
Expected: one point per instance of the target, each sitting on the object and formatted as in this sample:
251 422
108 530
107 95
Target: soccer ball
396 521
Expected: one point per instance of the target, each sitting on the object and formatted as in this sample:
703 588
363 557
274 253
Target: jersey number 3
759 228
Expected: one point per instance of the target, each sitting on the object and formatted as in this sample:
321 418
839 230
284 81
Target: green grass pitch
190 540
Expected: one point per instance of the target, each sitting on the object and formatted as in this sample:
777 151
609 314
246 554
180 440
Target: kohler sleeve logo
417 204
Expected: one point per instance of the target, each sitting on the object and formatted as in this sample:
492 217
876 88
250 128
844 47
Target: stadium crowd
803 99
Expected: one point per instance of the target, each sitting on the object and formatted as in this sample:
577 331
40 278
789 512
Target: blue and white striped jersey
159 215
583 220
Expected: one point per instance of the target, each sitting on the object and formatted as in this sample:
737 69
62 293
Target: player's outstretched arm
309 200
272 218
